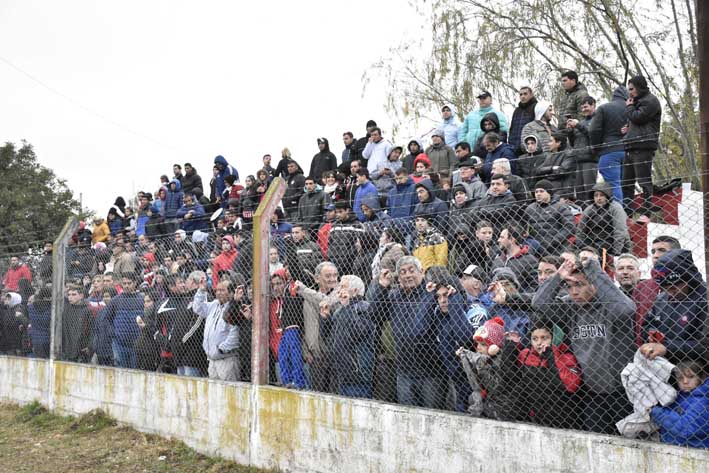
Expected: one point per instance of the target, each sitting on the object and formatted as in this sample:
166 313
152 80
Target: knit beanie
544 184
491 333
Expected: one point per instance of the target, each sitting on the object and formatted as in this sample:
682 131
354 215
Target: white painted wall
310 432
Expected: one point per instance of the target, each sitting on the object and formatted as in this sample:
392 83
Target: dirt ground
34 440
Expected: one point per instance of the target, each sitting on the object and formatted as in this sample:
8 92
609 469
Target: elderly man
420 375
221 339
598 319
314 349
642 292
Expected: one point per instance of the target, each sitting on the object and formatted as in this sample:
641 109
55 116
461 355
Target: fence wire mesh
514 297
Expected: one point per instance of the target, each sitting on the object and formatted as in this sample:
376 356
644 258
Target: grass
32 439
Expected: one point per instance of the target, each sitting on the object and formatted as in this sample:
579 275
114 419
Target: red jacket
569 370
11 281
275 332
644 296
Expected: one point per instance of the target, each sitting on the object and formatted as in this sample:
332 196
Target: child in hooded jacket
549 375
493 393
685 422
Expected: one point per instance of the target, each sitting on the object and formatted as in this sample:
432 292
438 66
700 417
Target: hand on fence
385 278
653 350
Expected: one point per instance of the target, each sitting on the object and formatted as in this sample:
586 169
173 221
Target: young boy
549 376
430 246
685 422
493 396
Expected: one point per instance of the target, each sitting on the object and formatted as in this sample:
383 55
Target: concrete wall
299 431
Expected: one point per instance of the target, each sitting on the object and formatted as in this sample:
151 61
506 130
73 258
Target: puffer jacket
551 224
604 227
570 101
431 248
173 200
685 422
311 208
559 168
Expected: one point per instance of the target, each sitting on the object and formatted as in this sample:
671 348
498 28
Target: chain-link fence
503 296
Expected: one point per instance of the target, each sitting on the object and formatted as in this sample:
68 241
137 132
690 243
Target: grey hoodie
600 332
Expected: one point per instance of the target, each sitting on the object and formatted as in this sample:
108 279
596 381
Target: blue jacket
41 321
198 220
451 127
505 150
402 200
173 200
681 322
413 328
115 225
455 331
227 171
349 333
103 335
685 422
362 191
433 207
470 130
121 312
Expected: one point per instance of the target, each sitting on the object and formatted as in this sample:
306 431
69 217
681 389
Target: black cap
470 162
484 94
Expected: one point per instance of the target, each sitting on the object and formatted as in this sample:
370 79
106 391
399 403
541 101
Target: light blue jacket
470 131
451 128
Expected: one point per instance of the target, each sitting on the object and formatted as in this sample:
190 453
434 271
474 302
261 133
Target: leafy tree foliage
499 45
34 202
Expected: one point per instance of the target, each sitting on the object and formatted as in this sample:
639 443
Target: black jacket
644 117
609 118
342 240
296 183
190 181
311 208
323 161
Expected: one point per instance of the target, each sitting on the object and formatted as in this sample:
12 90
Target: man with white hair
642 291
314 350
543 125
349 331
420 375
517 184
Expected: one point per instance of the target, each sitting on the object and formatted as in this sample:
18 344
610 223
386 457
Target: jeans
421 391
638 167
610 166
124 356
189 371
290 357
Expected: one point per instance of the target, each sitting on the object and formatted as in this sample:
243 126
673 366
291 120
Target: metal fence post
58 277
259 334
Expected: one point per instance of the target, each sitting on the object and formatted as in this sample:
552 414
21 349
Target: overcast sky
176 81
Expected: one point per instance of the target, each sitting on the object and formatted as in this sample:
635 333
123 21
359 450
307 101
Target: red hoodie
569 370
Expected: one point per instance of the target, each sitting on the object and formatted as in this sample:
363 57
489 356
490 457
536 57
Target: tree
498 45
35 203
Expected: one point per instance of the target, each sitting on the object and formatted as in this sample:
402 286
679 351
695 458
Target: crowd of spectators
490 272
